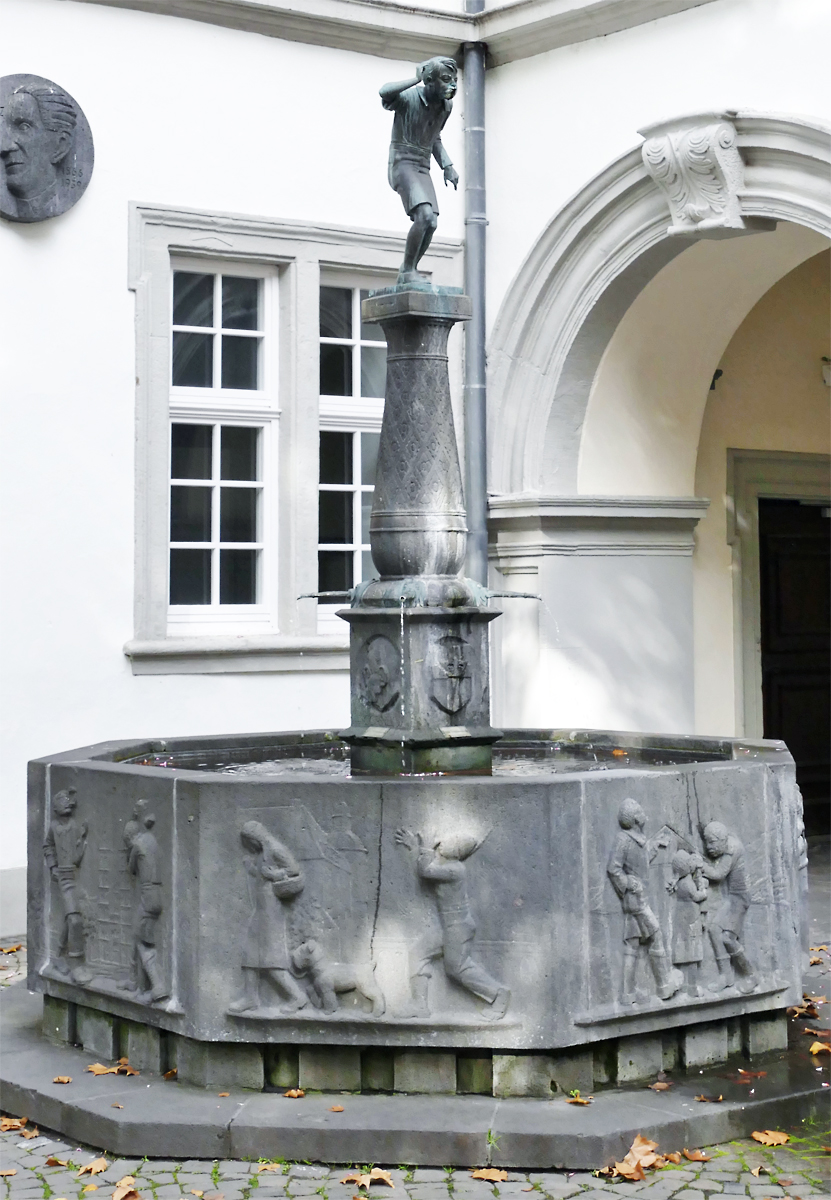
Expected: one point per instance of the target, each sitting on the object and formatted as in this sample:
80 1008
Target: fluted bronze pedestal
419 637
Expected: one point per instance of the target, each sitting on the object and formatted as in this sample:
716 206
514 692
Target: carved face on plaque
46 149
452 686
378 673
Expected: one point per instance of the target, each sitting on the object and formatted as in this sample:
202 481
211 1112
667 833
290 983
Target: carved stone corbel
696 163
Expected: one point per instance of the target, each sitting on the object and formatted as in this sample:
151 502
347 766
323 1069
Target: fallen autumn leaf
491 1173
770 1137
660 1085
7 1123
11 949
820 1048
56 1162
30 1133
815 961
710 1099
268 1166
575 1098
814 999
696 1155
5 1174
116 1106
171 1074
62 1079
818 948
758 1170
294 1094
336 1108
223 1093
94 1168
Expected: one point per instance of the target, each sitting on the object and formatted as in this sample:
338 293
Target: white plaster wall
182 113
554 121
770 397
642 424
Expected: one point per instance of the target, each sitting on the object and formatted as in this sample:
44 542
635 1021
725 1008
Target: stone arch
588 267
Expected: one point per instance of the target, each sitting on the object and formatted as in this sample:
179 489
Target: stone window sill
237 655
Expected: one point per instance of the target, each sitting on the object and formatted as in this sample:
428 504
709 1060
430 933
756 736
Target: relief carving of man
628 871
37 132
726 866
64 849
274 880
143 862
421 106
442 865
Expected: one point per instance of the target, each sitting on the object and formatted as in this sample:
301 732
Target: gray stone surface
765 1032
47 156
474 1076
523 1075
58 1019
96 1032
211 1064
639 1058
330 1069
424 1072
704 1045
142 1045
530 928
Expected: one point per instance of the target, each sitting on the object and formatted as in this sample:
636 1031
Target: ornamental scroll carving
696 164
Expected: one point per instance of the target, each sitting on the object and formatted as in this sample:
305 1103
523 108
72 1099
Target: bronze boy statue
421 106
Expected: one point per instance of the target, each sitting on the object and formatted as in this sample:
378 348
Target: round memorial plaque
46 151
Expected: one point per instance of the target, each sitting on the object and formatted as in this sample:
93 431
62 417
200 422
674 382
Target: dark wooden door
795 577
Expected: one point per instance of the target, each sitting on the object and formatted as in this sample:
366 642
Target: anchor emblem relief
378 673
452 686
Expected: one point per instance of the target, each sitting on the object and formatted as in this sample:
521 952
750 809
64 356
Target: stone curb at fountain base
147 1116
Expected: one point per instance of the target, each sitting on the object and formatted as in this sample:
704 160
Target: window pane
373 370
370 333
238 515
335 370
336 458
193 298
190 451
190 514
240 303
190 576
193 360
368 568
238 459
238 577
334 571
239 362
366 509
336 312
369 456
335 517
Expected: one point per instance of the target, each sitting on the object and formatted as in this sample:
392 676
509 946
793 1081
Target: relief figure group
722 863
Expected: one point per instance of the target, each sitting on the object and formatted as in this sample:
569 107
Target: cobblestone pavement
799 1169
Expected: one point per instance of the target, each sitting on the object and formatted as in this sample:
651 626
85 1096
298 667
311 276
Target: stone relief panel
145 980
451 684
105 922
696 906
46 149
697 165
64 849
441 864
306 951
379 673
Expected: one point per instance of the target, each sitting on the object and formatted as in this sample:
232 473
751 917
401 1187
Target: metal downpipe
475 395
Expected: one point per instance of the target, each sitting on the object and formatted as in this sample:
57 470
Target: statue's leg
423 223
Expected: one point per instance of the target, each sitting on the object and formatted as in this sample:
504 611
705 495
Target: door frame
751 474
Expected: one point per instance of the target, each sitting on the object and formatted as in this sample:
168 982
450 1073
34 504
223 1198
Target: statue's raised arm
421 107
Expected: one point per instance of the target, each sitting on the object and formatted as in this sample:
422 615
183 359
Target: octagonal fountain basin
247 889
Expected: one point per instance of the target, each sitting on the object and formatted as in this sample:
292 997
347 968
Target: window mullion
215 500
217 358
356 343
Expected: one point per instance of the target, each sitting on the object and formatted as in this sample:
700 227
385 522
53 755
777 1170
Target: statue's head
440 77
715 839
459 846
681 863
36 135
63 803
631 815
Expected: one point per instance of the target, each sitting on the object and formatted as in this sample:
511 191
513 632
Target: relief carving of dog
329 978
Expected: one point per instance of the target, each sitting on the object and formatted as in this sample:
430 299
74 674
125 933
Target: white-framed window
244 327
222 490
353 364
